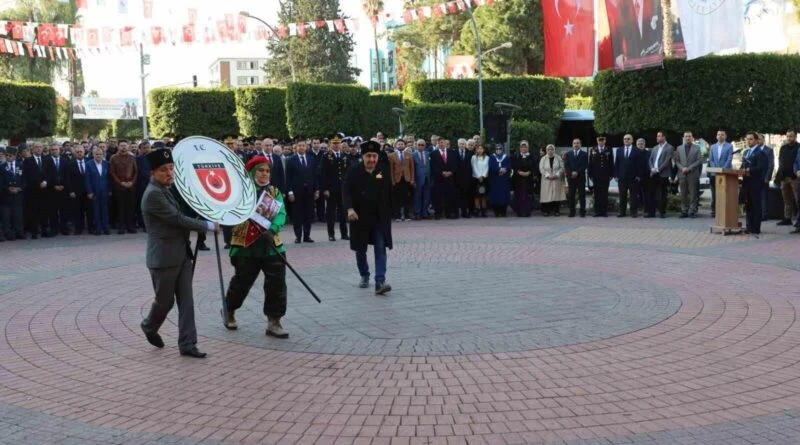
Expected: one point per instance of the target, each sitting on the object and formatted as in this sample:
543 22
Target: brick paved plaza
512 331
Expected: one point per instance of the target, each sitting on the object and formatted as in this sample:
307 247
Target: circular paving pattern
578 332
449 308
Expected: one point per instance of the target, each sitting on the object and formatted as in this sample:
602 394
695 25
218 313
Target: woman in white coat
552 191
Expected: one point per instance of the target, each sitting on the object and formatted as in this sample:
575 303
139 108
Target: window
247 65
247 80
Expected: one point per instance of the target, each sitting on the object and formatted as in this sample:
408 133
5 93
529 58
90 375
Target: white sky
118 75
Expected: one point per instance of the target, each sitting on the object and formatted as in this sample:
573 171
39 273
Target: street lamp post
275 33
144 59
480 61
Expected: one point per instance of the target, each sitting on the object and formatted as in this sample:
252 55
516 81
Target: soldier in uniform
367 196
13 206
334 168
601 170
252 253
169 256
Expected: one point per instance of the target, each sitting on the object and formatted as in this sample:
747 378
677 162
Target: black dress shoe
192 351
308 240
795 231
382 288
784 222
345 237
227 246
152 337
330 238
131 230
364 283
106 232
34 236
297 241
684 215
203 246
120 232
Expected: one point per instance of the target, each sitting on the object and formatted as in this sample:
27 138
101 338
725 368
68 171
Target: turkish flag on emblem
568 37
92 37
188 33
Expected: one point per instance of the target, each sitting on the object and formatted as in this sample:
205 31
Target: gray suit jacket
694 162
663 163
167 228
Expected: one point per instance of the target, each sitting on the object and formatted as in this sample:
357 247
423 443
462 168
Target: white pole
144 95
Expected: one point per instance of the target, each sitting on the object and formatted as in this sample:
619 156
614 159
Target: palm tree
373 8
666 15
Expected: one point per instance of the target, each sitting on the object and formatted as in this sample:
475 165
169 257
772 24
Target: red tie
444 156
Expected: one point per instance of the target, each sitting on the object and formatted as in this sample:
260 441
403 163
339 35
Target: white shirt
639 15
99 166
81 166
480 167
627 152
658 156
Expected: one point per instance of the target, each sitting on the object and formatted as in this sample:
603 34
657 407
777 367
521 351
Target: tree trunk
666 13
377 58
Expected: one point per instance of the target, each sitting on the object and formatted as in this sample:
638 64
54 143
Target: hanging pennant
29 45
420 14
452 8
439 11
407 17
108 35
329 24
29 32
122 6
77 35
3 46
126 36
156 35
222 31
50 51
340 26
92 37
320 24
147 7
283 32
261 33
46 34
192 16
230 26
81 4
355 24
209 33
188 33
292 29
61 35
242 22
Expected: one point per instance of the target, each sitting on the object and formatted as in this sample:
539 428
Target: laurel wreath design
246 205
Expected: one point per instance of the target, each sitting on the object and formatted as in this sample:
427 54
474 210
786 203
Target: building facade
237 72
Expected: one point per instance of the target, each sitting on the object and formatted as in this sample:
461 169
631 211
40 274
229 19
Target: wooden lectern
727 207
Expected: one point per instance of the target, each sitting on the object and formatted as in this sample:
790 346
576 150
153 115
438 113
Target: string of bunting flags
80 40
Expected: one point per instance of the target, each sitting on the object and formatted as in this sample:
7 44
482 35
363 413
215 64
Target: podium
727 197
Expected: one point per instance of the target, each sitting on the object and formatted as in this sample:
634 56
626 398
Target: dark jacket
786 157
370 195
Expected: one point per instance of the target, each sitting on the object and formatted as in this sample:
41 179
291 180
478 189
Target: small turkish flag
46 34
108 35
188 33
92 39
17 31
301 30
61 35
126 36
339 23
222 30
156 35
192 15
242 22
148 8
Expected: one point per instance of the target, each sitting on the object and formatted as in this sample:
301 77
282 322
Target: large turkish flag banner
568 38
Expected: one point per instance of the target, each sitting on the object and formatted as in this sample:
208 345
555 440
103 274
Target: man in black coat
601 170
33 172
576 161
626 167
444 168
464 179
367 196
56 175
302 190
333 171
80 204
754 164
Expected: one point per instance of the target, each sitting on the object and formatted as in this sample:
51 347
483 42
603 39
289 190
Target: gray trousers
173 284
689 198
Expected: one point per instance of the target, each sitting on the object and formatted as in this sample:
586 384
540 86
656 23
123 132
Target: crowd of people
97 186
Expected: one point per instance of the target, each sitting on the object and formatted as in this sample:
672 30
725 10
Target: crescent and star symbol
569 26
217 189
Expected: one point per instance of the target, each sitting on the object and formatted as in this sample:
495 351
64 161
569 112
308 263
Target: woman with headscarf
253 251
551 168
525 168
499 182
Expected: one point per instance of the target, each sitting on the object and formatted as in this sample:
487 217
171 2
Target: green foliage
27 110
448 120
130 129
738 93
580 86
378 115
183 112
537 134
320 56
325 109
578 103
261 112
541 98
515 21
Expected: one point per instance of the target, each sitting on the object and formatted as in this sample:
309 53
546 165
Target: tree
515 21
373 8
323 55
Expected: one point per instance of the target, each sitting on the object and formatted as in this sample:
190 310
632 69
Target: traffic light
194 81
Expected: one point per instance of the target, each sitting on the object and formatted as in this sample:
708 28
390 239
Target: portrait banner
105 108
637 33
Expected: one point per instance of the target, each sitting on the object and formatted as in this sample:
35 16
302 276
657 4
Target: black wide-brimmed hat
157 158
370 147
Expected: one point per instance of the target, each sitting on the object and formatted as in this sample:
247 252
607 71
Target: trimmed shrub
449 120
537 134
378 115
325 109
261 112
738 93
578 103
541 98
183 112
129 129
28 110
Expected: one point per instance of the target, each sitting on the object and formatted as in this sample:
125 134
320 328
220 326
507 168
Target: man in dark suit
626 170
317 152
464 178
332 173
660 165
80 205
303 190
637 30
98 188
55 173
33 172
444 165
169 256
367 196
755 165
576 162
601 170
277 176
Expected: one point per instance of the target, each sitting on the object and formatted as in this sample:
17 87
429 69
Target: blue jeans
380 258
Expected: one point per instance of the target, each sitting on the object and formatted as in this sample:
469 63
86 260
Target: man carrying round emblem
257 247
367 196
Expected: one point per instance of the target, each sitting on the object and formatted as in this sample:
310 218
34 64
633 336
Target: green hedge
537 134
578 103
261 112
325 109
130 129
541 98
739 93
27 110
182 112
378 115
450 120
